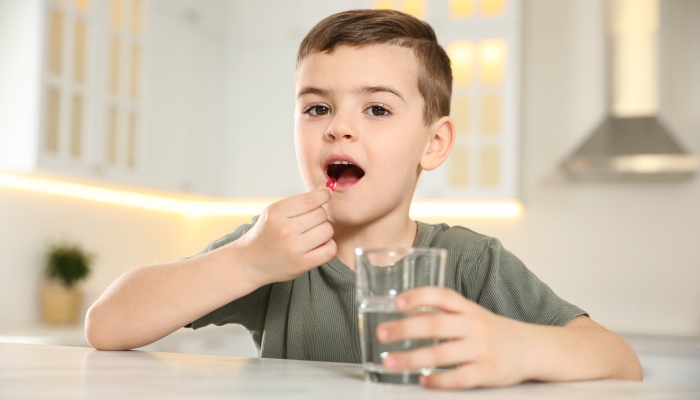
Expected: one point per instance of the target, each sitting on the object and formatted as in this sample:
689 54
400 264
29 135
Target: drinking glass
382 274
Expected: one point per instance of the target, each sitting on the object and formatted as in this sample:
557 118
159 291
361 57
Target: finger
321 255
465 377
303 223
316 237
428 325
305 202
432 296
448 353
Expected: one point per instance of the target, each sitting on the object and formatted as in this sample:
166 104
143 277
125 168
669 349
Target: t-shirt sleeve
248 310
502 284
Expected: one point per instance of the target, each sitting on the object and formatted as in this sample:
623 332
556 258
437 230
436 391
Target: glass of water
382 274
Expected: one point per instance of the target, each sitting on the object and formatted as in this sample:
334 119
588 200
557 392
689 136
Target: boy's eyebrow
362 90
311 90
377 89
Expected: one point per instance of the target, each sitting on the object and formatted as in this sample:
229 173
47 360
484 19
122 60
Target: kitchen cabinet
129 92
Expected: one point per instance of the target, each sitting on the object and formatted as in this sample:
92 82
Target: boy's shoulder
229 237
457 240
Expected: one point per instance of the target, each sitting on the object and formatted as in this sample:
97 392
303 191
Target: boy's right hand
290 238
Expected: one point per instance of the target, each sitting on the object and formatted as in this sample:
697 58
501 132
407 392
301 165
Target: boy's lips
344 169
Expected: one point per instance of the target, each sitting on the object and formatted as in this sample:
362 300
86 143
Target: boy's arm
148 303
491 350
583 350
290 237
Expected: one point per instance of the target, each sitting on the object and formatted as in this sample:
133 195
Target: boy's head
373 90
359 28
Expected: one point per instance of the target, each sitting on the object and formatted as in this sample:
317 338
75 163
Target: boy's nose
339 129
331 135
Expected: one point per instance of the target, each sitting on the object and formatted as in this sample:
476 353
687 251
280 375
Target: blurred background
141 130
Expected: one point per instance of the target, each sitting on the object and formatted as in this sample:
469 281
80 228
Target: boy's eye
318 110
377 111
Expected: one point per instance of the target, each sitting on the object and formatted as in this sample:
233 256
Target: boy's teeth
342 162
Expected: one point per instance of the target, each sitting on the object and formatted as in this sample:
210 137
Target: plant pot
61 304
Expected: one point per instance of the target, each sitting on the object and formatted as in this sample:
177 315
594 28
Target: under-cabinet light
241 208
466 209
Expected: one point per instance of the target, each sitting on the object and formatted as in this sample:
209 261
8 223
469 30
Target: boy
372 111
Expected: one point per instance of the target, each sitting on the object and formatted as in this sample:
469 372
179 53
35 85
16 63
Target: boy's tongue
350 174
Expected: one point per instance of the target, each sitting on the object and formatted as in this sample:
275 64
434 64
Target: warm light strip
194 208
465 209
242 208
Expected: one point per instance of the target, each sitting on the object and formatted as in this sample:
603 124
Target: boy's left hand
488 349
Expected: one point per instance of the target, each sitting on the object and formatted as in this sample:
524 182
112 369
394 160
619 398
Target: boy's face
361 105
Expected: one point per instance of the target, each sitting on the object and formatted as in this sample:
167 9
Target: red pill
331 184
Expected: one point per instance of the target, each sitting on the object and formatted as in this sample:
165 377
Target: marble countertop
57 372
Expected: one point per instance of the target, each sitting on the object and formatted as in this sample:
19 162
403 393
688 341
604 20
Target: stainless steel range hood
632 143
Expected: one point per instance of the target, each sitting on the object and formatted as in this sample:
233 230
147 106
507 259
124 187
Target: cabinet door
68 95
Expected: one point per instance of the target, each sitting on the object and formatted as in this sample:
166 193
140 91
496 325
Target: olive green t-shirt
314 317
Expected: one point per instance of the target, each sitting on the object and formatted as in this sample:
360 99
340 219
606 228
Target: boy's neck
398 231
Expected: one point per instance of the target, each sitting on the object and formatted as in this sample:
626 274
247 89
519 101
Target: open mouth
344 172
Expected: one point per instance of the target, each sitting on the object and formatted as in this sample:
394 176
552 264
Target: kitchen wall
122 237
627 253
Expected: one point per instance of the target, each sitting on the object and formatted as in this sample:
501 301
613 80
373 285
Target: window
92 91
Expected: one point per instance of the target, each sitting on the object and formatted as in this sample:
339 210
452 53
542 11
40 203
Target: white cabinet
118 91
20 40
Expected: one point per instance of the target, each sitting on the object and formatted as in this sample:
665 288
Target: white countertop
56 372
227 340
664 359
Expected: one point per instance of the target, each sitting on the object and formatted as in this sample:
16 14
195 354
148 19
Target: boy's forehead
353 66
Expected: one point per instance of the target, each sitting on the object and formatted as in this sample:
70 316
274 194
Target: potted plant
61 298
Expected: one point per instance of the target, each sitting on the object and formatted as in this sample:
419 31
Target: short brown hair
368 27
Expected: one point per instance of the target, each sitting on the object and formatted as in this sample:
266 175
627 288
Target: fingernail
423 380
390 362
400 303
383 334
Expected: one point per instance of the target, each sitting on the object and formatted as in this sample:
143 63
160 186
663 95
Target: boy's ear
442 137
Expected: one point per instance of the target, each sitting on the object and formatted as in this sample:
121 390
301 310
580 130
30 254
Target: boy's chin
344 220
353 217
346 217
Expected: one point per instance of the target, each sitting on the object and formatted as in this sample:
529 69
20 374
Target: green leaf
68 263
